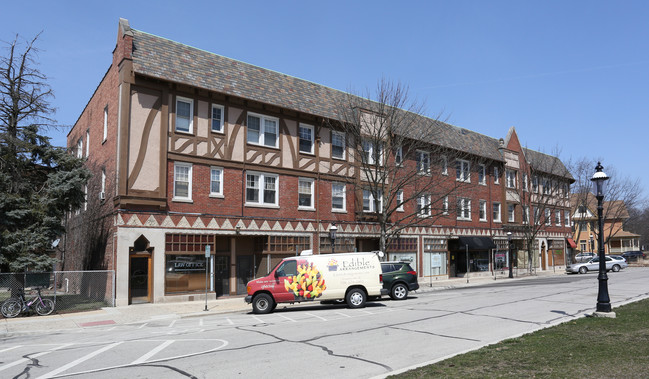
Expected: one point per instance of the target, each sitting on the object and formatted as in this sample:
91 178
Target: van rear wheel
356 298
262 303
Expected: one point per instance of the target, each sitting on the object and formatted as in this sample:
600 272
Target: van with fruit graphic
349 277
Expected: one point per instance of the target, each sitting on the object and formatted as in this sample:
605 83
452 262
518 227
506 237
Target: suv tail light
380 278
412 273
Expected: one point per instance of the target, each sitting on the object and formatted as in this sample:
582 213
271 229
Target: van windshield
287 268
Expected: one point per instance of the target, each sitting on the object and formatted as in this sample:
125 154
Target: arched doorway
140 280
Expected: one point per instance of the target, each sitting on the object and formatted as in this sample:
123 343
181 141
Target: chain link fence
71 291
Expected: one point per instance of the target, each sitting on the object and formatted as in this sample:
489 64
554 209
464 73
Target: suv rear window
388 267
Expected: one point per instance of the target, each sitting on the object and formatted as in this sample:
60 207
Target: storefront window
343 245
435 257
184 273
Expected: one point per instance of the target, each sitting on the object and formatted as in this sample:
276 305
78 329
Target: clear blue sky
570 76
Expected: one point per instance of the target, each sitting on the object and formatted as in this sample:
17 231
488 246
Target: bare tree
622 193
401 174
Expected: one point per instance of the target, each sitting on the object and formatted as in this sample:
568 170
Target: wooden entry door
140 279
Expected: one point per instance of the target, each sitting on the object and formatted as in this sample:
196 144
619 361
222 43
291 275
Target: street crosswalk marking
153 352
316 316
78 361
23 360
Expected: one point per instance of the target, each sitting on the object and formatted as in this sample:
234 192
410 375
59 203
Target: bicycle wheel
11 308
44 307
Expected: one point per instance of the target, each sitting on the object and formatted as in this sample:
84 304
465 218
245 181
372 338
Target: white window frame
103 180
340 135
462 171
188 166
510 178
310 193
548 217
221 121
535 184
344 197
105 124
423 162
423 205
369 152
445 205
525 182
400 200
557 217
566 216
511 212
311 140
88 143
219 192
367 195
482 174
496 175
262 130
546 186
191 115
398 156
482 210
526 214
80 148
444 165
537 216
496 217
261 180
464 208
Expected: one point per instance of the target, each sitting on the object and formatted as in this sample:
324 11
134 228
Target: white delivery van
352 277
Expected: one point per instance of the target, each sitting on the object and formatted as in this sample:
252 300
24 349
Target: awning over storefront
571 243
473 243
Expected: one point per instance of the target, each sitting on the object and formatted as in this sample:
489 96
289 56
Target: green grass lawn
585 348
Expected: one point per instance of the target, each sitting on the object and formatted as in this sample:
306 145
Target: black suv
399 278
634 255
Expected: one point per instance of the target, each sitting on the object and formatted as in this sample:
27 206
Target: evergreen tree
39 182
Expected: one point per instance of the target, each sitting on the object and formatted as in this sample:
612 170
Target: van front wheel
356 298
262 303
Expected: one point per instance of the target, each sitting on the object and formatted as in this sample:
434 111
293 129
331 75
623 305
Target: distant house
585 225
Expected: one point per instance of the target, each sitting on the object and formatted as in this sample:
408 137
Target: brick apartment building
191 149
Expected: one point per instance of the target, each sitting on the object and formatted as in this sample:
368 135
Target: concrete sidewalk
140 313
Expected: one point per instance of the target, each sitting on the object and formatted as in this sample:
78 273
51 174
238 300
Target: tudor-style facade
191 150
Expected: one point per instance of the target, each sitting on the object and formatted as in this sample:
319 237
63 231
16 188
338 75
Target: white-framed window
483 210
482 174
261 189
372 154
85 197
338 197
462 170
510 177
305 194
535 184
557 217
423 205
526 214
398 155
368 201
217 119
566 216
184 115
546 186
445 205
306 138
444 165
537 216
182 181
511 212
423 162
105 124
216 181
338 145
548 217
263 130
496 212
566 190
525 182
88 143
496 175
463 208
103 180
400 200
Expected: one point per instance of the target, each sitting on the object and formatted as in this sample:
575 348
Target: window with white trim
305 193
369 201
557 217
445 205
88 143
398 155
496 212
262 130
372 154
306 138
338 196
80 148
105 123
483 210
423 162
444 165
462 170
423 205
184 115
496 175
537 216
535 184
182 181
525 182
526 214
261 189
216 121
216 181
103 180
548 217
546 186
482 174
510 177
400 200
338 145
511 212
463 208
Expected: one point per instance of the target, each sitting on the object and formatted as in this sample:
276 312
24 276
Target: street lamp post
592 243
603 301
509 254
332 237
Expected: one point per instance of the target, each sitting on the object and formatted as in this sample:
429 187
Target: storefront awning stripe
477 243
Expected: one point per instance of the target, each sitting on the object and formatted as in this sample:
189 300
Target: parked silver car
614 265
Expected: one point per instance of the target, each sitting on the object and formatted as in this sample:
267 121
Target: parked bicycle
13 306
